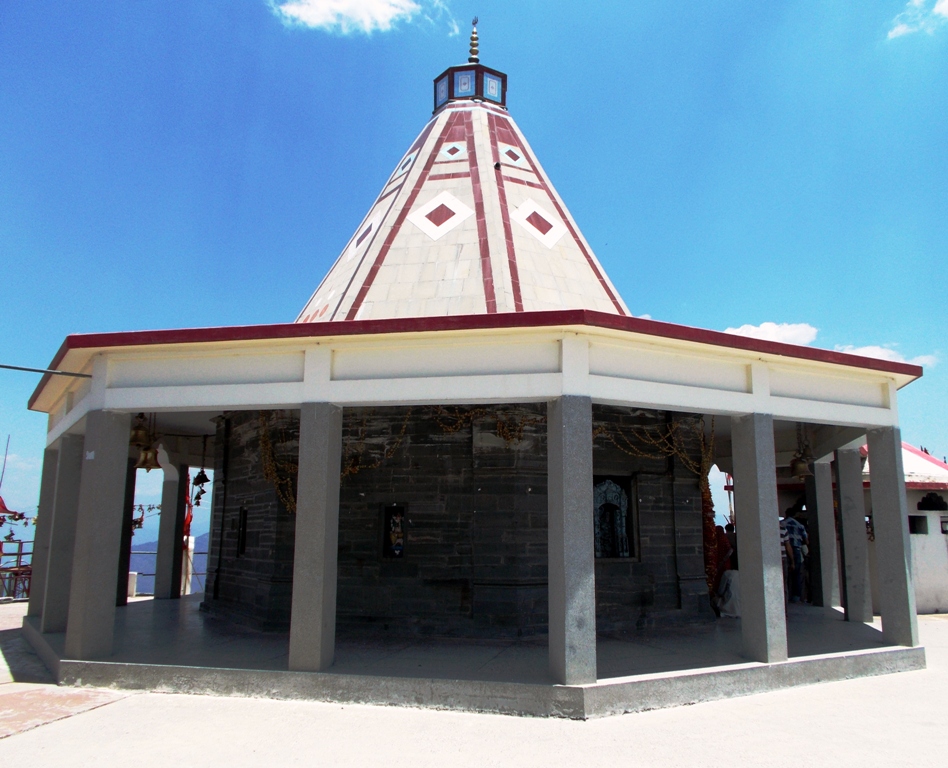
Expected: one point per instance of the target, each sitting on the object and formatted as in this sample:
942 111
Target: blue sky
782 166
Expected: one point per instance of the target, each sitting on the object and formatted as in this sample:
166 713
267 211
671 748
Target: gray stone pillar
44 526
893 552
62 536
313 613
91 625
819 498
125 547
572 573
171 531
763 621
856 590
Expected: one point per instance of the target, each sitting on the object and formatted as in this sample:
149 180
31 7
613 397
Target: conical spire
468 223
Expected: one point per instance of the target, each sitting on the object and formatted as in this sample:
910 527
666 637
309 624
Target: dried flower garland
353 457
280 474
672 440
509 430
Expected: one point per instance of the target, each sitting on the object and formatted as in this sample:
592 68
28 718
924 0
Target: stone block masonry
472 484
250 555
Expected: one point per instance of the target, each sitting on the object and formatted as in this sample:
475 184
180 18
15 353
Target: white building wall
929 558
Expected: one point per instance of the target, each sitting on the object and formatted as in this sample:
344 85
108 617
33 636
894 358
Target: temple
465 441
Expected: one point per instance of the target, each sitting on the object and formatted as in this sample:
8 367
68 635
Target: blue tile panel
464 83
441 91
493 88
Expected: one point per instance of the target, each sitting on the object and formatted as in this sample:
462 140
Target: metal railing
194 574
16 570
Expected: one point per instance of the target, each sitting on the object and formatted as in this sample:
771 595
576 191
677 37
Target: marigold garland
280 474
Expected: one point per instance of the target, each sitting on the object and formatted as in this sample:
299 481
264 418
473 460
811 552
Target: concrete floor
877 721
175 632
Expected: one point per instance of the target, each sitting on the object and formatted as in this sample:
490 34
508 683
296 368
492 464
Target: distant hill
143 563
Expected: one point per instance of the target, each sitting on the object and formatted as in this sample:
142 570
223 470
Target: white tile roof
919 467
468 223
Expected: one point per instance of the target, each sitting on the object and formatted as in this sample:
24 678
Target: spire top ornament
474 59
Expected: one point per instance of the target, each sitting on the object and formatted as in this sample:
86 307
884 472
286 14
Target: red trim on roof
480 217
446 176
396 227
912 486
524 182
547 319
568 222
505 215
927 456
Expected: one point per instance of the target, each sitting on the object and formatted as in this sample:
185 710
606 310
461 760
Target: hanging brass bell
799 467
139 436
148 459
201 478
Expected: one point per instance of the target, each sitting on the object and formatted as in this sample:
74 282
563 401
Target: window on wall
918 524
613 517
393 531
944 525
242 532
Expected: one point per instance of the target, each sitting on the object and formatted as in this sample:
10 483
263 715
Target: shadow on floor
175 632
18 662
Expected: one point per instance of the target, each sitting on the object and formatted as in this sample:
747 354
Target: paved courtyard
889 720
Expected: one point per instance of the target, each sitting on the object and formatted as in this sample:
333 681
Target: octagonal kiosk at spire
468 223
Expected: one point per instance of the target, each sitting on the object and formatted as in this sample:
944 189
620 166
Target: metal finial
473 59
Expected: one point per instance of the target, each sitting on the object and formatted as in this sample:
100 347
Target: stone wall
253 585
475 546
665 581
473 485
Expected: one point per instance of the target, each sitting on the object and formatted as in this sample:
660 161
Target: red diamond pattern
441 214
541 224
453 151
512 155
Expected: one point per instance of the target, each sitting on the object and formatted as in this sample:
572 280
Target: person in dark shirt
797 538
732 538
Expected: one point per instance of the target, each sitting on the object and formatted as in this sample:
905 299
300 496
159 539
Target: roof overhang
193 375
78 349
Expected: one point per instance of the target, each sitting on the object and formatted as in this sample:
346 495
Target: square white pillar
572 572
857 592
62 536
91 624
763 621
825 523
44 527
170 530
313 613
893 552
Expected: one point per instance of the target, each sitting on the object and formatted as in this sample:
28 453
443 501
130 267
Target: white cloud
919 16
788 333
804 333
887 353
349 16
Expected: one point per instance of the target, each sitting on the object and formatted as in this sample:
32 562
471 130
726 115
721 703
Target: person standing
732 538
786 557
797 539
